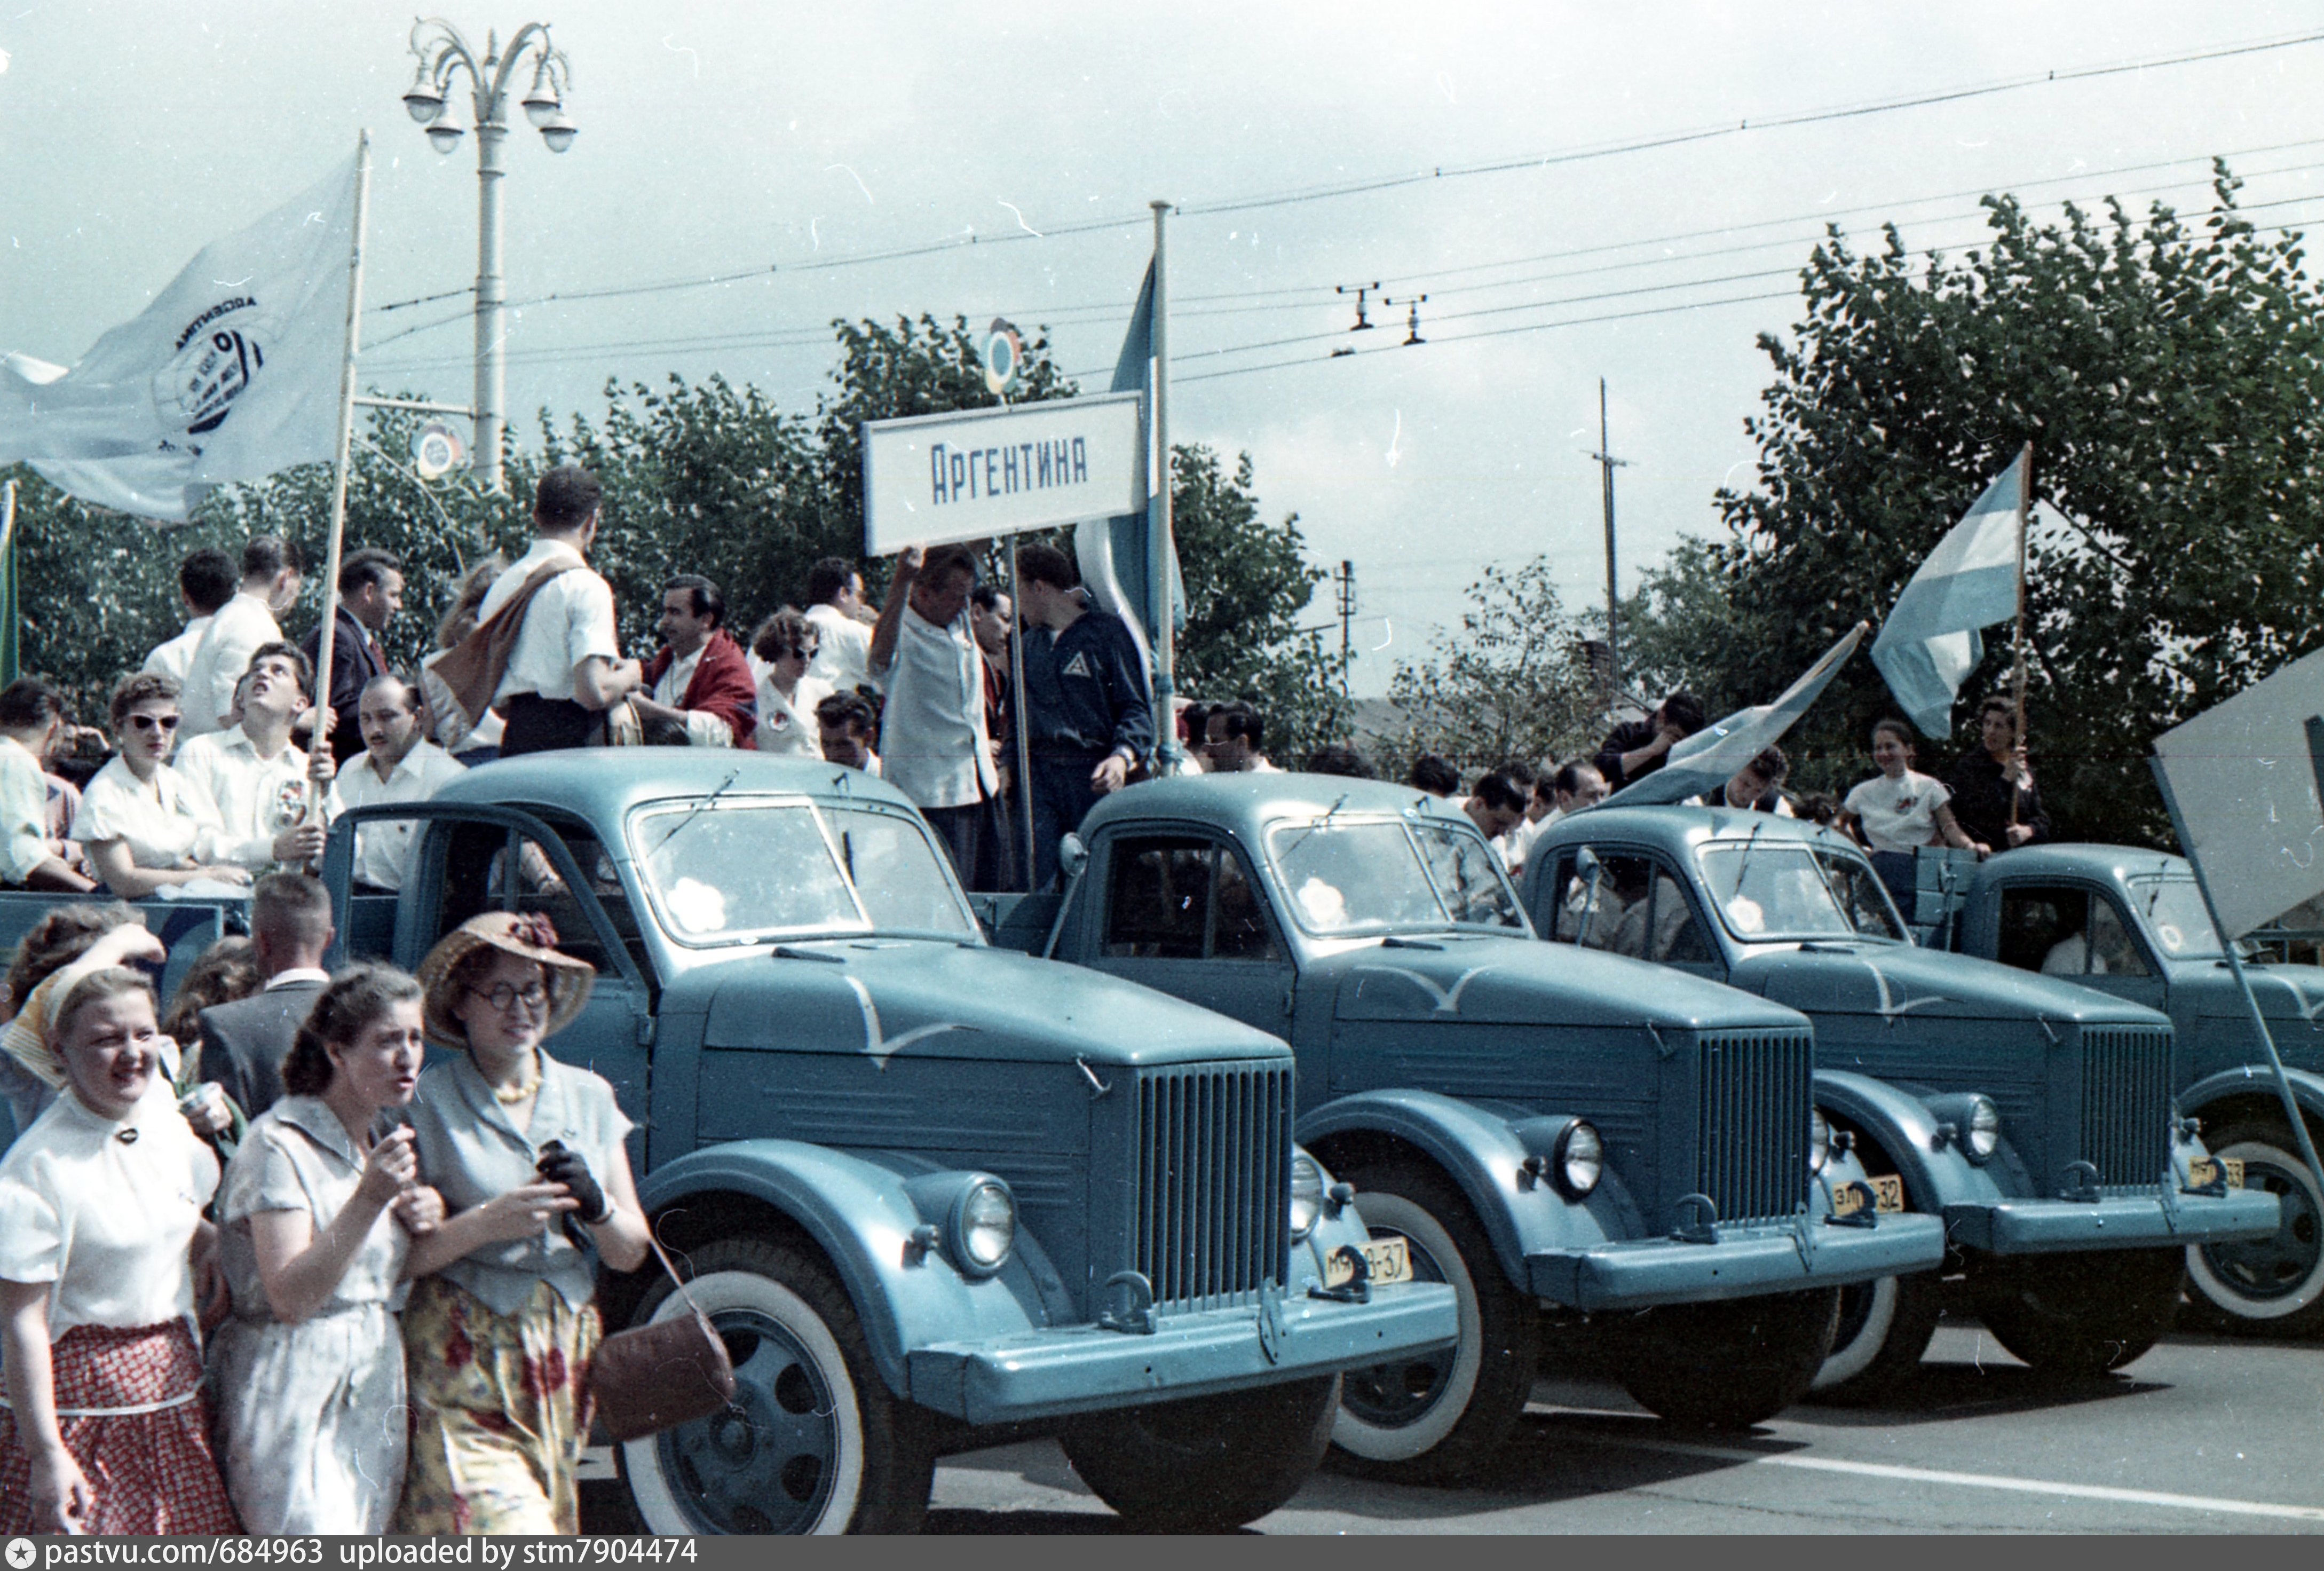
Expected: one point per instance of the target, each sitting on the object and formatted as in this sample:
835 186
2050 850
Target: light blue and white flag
1708 759
1930 642
1111 552
231 373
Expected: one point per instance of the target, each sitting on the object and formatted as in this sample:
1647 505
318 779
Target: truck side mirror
1072 855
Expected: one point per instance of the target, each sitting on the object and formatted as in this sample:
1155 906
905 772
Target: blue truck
2033 1114
933 1195
2132 923
1600 1157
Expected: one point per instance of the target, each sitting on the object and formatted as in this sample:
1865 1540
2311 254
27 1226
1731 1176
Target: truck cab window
2044 928
1606 902
1185 899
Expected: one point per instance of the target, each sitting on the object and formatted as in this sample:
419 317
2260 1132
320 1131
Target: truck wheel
1445 1413
814 1441
1727 1365
2271 1285
1208 1464
1884 1330
2084 1313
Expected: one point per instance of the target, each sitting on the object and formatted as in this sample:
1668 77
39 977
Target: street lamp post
442 53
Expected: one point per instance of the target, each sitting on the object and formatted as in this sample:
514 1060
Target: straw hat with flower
528 935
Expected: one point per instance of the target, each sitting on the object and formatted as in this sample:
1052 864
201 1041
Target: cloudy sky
793 144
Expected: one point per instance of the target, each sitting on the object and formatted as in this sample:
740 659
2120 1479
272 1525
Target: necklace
510 1096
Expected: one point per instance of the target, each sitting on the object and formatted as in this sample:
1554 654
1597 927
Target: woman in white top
318 1217
1899 810
145 825
101 1239
787 641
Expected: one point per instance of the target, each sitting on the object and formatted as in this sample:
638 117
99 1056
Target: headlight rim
1819 1141
957 1226
1562 1153
1973 1129
1303 1166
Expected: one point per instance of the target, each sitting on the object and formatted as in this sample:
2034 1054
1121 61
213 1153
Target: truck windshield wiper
698 809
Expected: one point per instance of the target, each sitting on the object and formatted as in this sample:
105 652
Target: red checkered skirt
152 1471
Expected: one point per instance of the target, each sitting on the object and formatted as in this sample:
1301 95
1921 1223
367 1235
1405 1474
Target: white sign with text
936 478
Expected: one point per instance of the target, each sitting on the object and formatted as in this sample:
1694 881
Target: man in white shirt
700 691
1757 785
270 587
206 581
32 713
565 669
397 765
835 592
1235 740
933 745
255 776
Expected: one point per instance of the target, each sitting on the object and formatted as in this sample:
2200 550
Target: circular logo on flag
437 450
219 355
1004 355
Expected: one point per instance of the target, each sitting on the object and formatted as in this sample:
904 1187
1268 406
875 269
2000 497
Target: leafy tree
1511 683
2170 375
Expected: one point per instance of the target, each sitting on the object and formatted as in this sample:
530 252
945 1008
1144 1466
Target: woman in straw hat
527 1153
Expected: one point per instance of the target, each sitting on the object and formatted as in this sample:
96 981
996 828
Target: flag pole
322 739
2243 980
2024 501
1160 552
1017 708
11 605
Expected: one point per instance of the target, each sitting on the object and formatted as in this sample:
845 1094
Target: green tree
2170 377
1247 584
1511 683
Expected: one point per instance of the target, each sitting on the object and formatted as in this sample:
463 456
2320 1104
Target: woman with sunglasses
527 1153
145 825
787 642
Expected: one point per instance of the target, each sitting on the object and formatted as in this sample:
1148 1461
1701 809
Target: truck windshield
2173 909
733 872
1358 877
1766 893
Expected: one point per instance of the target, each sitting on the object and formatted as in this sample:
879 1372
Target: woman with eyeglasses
143 825
787 642
527 1153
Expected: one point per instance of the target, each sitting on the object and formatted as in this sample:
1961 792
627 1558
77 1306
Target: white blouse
106 1211
788 727
169 821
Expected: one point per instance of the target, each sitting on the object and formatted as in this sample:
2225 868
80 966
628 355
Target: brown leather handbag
660 1375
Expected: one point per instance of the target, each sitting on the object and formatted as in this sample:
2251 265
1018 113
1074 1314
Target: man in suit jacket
243 1042
370 592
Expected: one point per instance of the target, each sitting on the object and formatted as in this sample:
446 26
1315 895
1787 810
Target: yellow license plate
2205 1170
1391 1260
1887 1195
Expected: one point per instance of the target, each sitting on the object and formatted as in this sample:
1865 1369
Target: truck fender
1901 1124
1484 1154
2246 1082
862 1216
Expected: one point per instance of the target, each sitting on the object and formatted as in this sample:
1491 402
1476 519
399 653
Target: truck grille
1212 1200
2127 1104
1752 1123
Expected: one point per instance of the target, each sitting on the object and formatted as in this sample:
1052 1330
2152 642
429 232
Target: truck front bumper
2138 1219
1047 1373
1748 1261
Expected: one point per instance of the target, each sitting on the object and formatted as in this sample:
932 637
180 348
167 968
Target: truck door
2079 933
1627 904
1183 915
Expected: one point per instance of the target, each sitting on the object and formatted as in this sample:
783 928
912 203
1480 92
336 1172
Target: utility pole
1346 580
1606 465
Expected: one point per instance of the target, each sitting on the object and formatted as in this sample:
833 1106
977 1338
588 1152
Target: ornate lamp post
442 53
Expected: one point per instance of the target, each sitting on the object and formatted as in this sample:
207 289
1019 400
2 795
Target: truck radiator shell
1754 1092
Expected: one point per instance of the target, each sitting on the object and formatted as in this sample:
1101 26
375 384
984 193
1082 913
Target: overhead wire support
1362 291
1412 304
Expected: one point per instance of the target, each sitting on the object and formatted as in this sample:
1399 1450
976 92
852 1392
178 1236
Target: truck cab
2031 1113
2131 923
933 1195
1587 1148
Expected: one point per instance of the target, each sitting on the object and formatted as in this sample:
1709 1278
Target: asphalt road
2203 1435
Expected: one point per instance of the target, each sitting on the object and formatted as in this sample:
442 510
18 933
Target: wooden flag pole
1017 631
1160 553
2024 503
317 771
11 605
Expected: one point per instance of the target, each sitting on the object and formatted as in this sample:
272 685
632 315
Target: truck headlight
1980 1128
1818 1140
1579 1161
984 1227
1307 1195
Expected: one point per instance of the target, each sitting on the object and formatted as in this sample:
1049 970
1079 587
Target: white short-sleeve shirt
1898 815
176 657
105 1210
570 619
257 797
297 1157
241 625
383 851
843 650
788 727
931 740
168 821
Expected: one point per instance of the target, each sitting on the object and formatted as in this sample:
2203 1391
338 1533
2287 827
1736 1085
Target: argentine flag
1931 642
1111 552
1710 758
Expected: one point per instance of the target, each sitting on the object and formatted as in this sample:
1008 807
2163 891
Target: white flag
231 373
1711 757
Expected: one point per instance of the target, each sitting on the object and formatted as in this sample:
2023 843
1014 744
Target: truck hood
921 999
1490 981
1897 980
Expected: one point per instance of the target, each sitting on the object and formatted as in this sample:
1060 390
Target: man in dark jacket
370 591
1985 781
243 1042
1636 748
1088 716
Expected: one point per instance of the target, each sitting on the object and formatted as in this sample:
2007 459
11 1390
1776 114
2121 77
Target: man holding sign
933 745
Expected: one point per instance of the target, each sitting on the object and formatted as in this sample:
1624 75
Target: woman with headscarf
527 1151
101 1242
318 1211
